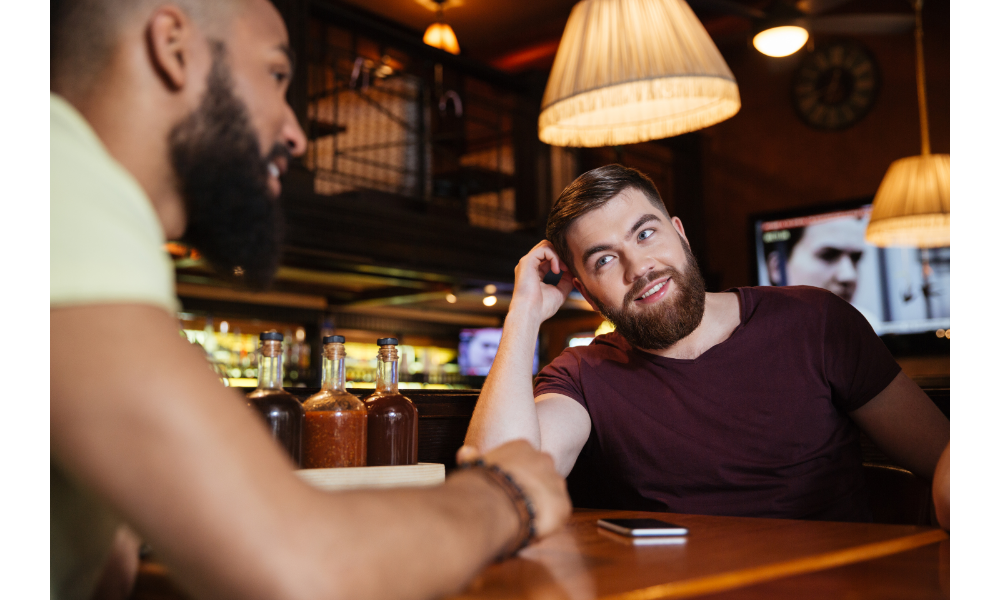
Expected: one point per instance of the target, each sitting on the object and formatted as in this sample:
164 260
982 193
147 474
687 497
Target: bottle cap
334 339
271 335
387 342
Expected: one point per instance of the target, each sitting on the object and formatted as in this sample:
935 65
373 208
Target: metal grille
382 120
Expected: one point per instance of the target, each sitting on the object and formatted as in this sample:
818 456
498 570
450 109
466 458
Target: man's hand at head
535 473
533 298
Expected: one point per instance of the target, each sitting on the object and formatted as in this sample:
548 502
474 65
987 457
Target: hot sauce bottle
281 411
336 424
392 417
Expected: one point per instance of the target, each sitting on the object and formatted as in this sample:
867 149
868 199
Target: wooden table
725 557
721 558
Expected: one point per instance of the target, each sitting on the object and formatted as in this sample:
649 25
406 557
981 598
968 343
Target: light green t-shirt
106 248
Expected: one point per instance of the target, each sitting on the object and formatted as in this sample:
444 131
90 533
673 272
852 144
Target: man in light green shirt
169 121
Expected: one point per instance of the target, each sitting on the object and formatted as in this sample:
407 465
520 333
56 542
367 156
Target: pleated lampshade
912 206
441 35
628 71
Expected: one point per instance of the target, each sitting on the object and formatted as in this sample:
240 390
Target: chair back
897 496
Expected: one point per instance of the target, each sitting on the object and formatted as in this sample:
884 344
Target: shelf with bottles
420 367
230 346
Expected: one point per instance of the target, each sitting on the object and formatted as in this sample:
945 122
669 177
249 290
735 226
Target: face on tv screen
898 289
478 347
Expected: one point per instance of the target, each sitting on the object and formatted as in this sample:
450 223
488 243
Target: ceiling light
912 206
490 289
490 300
781 41
451 298
440 34
628 71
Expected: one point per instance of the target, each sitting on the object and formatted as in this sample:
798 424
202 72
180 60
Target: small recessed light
490 300
451 298
490 289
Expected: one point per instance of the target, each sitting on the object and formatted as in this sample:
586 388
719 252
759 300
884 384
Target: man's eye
830 255
603 261
280 76
645 234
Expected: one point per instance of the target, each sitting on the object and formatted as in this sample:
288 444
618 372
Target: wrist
490 506
523 316
519 501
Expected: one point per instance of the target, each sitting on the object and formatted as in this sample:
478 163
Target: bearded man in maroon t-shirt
746 402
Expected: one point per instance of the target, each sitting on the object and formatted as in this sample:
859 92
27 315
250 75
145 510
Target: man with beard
169 121
746 402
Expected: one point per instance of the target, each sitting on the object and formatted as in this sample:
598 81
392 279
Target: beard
232 220
667 322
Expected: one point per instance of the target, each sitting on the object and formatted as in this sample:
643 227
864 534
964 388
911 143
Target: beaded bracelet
525 510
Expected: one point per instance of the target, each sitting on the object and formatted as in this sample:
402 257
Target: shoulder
609 347
804 299
106 240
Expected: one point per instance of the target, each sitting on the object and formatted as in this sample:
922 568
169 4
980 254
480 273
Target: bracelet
525 510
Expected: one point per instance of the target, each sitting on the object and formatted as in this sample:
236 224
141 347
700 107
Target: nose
636 265
292 134
846 271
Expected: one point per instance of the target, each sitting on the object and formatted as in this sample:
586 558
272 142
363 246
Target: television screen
478 347
899 290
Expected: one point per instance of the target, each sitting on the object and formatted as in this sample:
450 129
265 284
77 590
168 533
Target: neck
134 123
721 318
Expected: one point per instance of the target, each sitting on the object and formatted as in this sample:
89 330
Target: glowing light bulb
490 300
780 41
490 289
451 298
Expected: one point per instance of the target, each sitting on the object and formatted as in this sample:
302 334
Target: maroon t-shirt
755 426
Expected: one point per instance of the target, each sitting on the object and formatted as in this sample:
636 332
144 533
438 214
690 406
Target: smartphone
642 527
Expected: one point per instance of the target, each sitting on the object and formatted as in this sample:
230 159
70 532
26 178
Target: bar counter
721 558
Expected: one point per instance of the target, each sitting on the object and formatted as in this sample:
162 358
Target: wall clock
836 85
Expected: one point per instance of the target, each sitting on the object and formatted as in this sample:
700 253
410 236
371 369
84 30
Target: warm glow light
224 327
604 327
451 298
490 289
780 41
912 206
441 35
628 71
490 300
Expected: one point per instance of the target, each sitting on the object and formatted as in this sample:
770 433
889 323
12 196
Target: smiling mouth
273 170
653 290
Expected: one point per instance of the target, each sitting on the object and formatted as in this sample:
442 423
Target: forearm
506 407
428 542
906 426
942 489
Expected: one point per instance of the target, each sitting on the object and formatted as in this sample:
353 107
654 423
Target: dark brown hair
591 191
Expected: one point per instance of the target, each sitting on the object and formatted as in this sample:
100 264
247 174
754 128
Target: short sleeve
857 364
106 242
561 376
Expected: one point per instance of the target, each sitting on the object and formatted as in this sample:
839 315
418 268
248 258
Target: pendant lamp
628 71
440 34
912 206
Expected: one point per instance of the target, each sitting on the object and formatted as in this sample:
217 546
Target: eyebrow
646 218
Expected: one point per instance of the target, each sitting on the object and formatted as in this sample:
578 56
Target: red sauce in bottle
392 417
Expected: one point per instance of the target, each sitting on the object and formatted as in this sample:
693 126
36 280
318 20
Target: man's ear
679 227
169 37
583 291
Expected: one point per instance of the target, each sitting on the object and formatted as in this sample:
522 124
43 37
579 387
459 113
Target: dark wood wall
766 158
